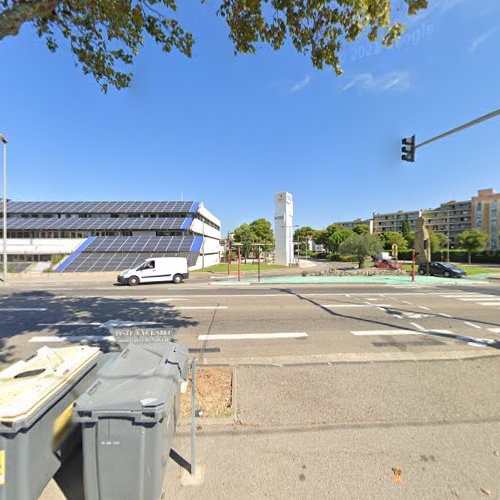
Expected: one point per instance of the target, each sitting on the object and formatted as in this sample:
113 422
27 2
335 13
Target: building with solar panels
99 236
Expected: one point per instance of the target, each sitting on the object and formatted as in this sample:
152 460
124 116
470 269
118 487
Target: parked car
154 270
442 269
387 264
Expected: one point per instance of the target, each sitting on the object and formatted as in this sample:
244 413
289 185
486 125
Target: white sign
283 228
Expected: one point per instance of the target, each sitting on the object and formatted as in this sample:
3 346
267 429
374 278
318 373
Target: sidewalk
338 431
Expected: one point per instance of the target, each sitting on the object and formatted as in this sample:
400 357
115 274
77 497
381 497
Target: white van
154 270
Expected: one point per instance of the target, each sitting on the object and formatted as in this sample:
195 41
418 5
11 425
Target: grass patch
220 268
470 270
214 388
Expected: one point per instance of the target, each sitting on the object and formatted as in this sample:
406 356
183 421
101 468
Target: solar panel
141 244
90 262
97 223
91 207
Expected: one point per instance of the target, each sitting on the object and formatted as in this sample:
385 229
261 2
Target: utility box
36 431
128 418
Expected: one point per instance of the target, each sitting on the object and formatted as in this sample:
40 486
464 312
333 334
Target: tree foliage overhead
106 35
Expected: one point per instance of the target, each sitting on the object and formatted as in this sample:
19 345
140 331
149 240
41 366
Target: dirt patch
213 393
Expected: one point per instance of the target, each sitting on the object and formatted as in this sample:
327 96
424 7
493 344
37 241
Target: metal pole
462 127
203 249
239 264
258 263
448 244
193 417
228 257
413 265
4 140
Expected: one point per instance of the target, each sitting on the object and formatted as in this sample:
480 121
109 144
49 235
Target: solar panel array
96 261
98 223
101 207
109 253
141 244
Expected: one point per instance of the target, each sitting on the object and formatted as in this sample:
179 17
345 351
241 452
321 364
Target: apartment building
450 218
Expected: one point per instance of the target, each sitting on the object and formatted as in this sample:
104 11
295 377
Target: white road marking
472 324
364 333
456 295
416 325
23 309
445 315
425 308
494 330
253 336
496 303
484 297
188 308
64 323
405 302
355 305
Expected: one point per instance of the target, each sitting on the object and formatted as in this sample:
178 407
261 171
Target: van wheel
133 280
177 279
421 271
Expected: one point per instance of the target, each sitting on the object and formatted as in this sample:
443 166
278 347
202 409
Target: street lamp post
4 140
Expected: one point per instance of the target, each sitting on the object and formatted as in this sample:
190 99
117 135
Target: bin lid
29 384
142 377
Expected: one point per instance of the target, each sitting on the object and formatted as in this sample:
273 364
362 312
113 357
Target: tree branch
13 17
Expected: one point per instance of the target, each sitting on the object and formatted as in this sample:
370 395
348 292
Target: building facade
110 236
450 218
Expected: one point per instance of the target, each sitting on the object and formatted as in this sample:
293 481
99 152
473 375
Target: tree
322 237
337 238
410 239
391 238
438 241
361 246
263 231
302 234
245 235
474 240
405 227
362 229
106 35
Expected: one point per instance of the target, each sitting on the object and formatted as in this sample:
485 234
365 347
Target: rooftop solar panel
97 223
99 206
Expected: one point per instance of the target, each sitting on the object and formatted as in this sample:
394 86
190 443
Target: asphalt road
263 324
335 385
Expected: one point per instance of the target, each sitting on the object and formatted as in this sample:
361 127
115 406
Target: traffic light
408 148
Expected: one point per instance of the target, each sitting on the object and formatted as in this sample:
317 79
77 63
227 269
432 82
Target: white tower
283 228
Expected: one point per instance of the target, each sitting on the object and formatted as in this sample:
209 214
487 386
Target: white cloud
392 81
480 39
300 85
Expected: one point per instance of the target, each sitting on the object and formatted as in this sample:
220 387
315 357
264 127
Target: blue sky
232 131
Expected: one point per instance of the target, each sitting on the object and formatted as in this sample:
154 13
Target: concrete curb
351 358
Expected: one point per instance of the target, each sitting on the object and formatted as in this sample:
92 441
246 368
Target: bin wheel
133 281
177 279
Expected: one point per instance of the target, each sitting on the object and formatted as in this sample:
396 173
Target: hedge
457 255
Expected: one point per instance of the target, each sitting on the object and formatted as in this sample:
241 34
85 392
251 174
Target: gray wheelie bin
36 431
128 418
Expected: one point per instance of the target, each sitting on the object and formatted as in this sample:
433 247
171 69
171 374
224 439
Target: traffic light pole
458 129
409 143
